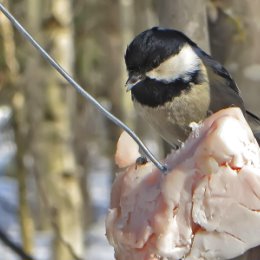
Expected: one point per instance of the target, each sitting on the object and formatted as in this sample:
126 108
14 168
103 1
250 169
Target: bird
174 83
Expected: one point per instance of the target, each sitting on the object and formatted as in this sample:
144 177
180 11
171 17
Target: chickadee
174 83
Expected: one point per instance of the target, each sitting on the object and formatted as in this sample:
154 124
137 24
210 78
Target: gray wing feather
225 93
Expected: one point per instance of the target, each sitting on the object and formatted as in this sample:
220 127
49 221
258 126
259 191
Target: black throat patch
154 93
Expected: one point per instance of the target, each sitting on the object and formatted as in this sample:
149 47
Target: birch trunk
51 105
16 100
62 179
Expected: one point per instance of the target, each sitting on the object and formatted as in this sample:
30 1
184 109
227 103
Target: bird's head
163 55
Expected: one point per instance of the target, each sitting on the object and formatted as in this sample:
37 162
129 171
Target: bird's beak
132 81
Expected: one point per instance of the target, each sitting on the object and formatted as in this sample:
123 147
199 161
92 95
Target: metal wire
84 93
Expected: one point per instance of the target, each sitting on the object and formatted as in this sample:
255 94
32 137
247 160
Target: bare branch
17 249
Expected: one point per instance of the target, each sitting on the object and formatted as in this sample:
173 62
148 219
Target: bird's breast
172 118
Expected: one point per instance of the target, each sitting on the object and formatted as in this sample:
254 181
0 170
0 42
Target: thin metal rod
84 93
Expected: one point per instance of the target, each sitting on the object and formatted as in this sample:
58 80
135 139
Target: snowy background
96 245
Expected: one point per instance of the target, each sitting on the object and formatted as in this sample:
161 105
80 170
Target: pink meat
207 205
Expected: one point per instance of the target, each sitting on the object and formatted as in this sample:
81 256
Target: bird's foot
140 161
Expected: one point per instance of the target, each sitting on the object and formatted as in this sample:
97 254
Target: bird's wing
225 93
254 122
219 70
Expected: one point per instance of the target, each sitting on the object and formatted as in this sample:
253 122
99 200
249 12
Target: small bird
174 83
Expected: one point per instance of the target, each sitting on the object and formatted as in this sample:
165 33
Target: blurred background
56 150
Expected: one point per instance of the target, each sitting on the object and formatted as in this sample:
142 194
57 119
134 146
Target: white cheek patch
177 66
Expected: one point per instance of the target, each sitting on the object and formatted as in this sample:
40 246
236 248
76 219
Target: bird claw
140 161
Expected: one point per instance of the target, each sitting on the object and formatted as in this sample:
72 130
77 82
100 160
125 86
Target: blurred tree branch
14 247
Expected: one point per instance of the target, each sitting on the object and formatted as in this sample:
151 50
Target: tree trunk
112 87
87 74
62 178
51 105
126 33
20 129
187 16
17 102
235 36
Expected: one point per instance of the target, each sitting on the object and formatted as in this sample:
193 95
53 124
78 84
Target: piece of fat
206 207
